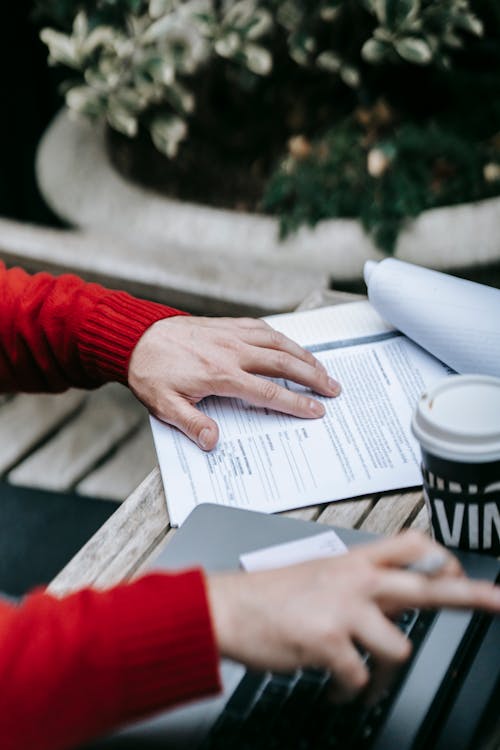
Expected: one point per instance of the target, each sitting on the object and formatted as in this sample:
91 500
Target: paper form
272 462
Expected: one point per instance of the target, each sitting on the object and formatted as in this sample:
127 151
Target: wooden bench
97 443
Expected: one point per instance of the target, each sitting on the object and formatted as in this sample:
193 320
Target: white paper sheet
326 544
273 462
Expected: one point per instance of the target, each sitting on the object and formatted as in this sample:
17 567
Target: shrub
370 108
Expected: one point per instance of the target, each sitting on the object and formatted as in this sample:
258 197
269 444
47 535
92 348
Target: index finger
401 589
270 395
269 338
410 549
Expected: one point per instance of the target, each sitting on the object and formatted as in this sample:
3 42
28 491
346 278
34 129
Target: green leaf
258 59
380 8
122 120
329 61
85 100
159 8
374 51
350 76
167 132
469 22
62 48
413 50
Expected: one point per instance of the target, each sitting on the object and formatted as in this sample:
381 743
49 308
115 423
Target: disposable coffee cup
457 423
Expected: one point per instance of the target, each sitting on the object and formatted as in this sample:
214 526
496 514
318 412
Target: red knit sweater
72 668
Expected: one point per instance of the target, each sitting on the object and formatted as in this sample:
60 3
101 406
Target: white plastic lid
459 419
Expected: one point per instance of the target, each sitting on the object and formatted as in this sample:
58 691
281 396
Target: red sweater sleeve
74 668
60 331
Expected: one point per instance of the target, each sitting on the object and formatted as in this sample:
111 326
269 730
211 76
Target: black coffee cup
457 423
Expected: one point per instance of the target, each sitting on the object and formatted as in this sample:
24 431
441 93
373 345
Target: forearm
75 668
57 332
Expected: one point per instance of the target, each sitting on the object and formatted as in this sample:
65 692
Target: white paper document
273 462
326 544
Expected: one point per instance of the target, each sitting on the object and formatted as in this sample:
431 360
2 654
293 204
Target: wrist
110 333
222 593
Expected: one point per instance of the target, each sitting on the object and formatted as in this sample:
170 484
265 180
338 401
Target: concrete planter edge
79 183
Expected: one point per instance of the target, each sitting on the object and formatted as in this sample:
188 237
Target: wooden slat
422 521
346 513
27 419
310 513
392 512
148 563
108 416
122 543
151 526
124 470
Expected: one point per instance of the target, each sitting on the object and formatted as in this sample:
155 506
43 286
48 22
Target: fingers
268 338
192 422
387 646
281 364
261 337
401 589
271 395
349 672
412 547
274 354
384 641
397 588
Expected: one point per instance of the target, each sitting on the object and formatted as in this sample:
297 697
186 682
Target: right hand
316 614
179 361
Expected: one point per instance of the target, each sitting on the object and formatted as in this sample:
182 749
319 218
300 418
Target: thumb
192 422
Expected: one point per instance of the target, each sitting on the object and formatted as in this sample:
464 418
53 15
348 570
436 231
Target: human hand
318 613
180 360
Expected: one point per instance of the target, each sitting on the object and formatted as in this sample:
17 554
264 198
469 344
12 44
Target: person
76 667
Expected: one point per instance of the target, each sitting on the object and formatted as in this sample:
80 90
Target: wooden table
140 527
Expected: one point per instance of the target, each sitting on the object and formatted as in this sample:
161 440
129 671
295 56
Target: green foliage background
414 82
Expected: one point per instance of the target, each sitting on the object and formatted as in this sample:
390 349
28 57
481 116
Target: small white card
326 544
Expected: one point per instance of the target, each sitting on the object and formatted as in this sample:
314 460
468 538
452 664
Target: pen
429 565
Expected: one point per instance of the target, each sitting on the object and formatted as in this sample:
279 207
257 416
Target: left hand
180 360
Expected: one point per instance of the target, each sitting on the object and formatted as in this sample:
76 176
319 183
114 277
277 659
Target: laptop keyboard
276 711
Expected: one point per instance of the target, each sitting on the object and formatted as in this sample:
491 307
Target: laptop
445 698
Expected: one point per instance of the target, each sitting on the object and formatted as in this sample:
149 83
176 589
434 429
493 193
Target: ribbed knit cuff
165 643
109 334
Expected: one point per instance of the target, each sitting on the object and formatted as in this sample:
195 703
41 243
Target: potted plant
377 111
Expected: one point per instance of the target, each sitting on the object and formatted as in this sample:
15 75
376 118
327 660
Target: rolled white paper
457 321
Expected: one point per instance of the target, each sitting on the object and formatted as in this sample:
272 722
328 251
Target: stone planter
80 184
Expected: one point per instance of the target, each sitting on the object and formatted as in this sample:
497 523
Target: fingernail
204 438
334 386
317 408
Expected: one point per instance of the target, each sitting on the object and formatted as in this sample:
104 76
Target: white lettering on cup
473 514
451 537
491 515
